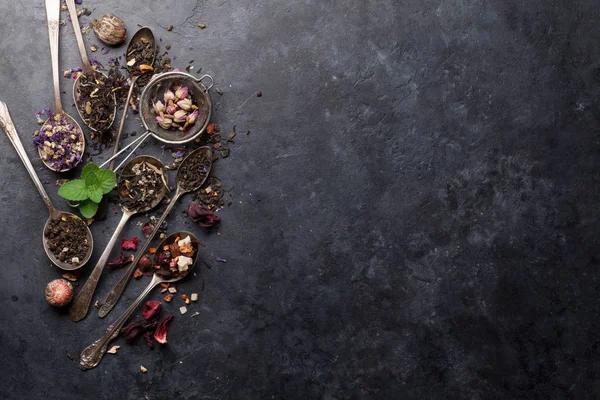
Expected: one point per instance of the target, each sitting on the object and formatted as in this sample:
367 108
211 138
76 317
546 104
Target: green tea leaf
95 195
88 208
89 168
107 180
74 190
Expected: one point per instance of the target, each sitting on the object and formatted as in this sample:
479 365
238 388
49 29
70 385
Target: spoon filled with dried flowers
142 186
67 239
140 57
59 141
177 256
192 173
92 92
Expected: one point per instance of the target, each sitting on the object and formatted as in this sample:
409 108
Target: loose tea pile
96 101
139 59
141 185
193 171
60 142
175 259
67 239
211 194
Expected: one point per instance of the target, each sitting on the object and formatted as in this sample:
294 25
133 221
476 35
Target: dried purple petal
219 259
202 216
120 261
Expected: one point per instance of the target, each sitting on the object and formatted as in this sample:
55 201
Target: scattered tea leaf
259 94
218 90
170 28
201 26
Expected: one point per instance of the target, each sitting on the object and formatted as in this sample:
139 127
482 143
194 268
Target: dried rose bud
191 119
171 108
182 92
185 104
180 116
164 123
169 95
159 107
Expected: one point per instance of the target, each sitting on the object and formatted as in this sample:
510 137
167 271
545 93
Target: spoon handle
114 295
8 126
84 297
92 355
87 68
53 15
123 118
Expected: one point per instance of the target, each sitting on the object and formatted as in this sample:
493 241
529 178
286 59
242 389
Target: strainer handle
138 140
212 81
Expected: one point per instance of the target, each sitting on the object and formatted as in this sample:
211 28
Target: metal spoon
92 355
53 15
84 297
8 126
113 296
88 71
143 35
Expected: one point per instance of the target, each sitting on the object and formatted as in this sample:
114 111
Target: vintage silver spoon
87 71
92 355
142 36
83 299
113 296
8 126
53 16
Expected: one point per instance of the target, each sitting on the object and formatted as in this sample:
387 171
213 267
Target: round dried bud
110 29
59 292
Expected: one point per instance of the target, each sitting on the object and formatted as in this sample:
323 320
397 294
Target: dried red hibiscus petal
130 244
160 334
134 329
148 338
147 230
121 261
202 216
151 309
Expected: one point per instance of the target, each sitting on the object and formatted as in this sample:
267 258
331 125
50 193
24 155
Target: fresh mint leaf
91 181
88 169
107 180
88 208
75 190
95 195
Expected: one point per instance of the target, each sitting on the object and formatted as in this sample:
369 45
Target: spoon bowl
89 241
163 189
78 132
170 240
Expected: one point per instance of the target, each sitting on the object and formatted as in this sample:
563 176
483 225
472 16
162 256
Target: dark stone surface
415 210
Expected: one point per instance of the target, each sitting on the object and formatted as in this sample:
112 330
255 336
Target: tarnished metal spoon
53 15
143 36
83 299
92 355
87 71
113 296
8 126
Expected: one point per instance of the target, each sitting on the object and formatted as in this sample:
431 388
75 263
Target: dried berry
110 29
145 263
151 309
160 334
59 292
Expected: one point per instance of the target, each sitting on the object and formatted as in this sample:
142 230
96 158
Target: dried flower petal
202 216
219 259
160 334
158 107
136 328
168 298
120 261
143 369
169 95
180 116
182 92
130 244
151 309
185 104
148 339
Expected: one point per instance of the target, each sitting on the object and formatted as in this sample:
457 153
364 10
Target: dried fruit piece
165 284
151 308
183 310
168 298
194 297
201 26
160 334
143 369
172 289
145 263
70 276
137 273
187 301
184 296
113 350
59 292
152 250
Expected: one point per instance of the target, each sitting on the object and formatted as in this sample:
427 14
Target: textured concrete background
418 216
